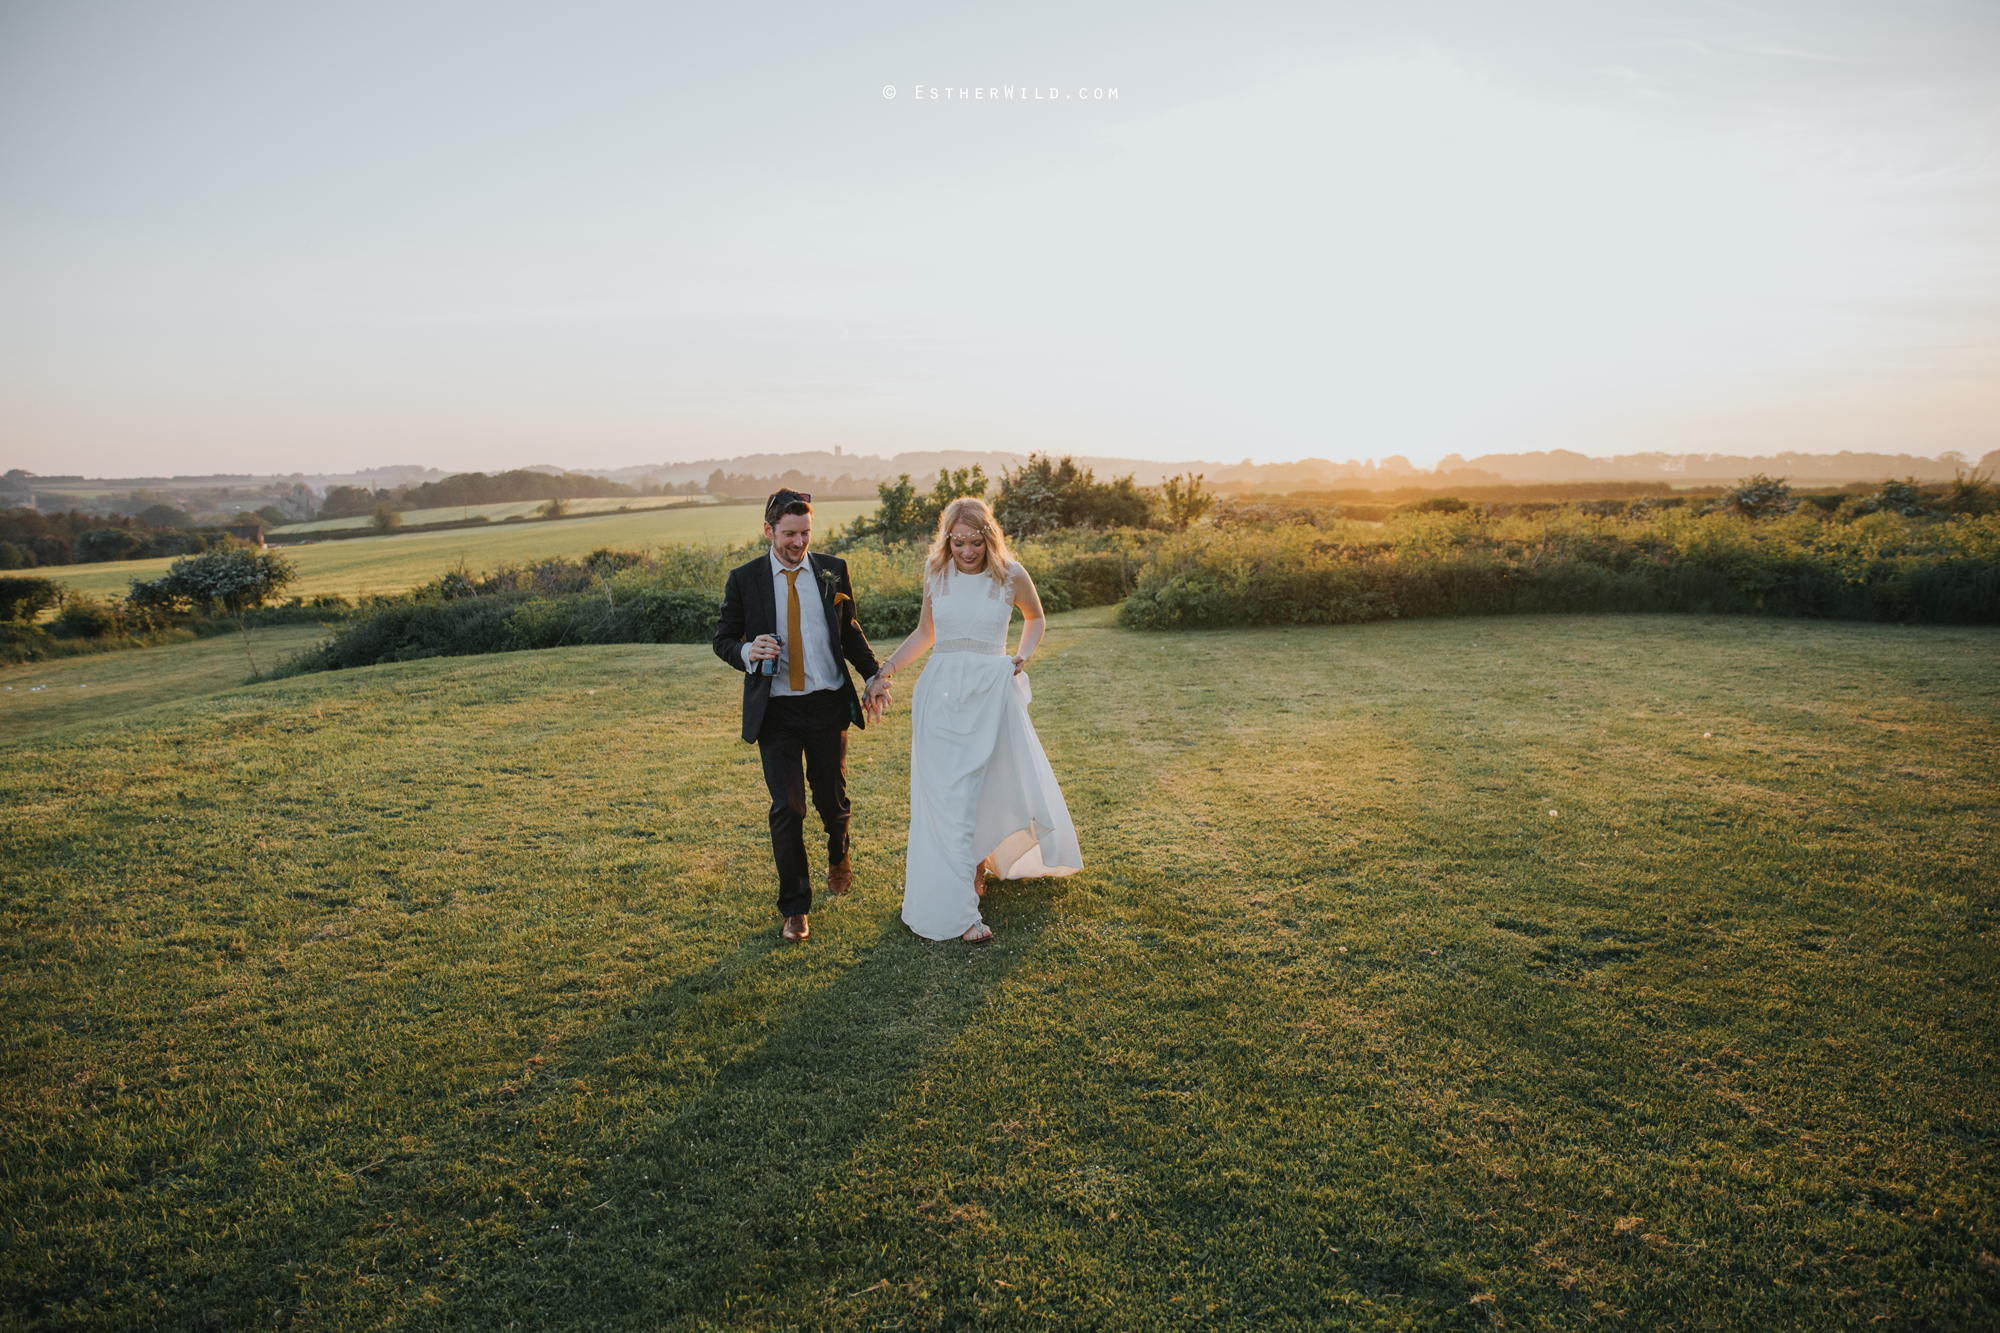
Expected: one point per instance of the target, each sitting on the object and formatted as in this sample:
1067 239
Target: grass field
496 512
1614 972
396 563
45 696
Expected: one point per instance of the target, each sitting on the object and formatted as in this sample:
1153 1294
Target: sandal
984 933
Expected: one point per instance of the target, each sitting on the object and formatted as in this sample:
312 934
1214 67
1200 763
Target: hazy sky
276 236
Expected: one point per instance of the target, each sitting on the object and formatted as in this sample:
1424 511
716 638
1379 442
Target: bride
982 795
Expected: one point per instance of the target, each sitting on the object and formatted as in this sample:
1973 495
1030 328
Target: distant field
398 562
496 512
1538 973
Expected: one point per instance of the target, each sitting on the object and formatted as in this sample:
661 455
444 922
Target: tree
356 501
24 599
1186 500
554 507
386 519
1044 494
464 489
905 516
165 518
108 544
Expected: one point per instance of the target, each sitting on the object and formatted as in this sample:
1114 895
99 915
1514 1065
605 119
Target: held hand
1020 663
875 701
765 648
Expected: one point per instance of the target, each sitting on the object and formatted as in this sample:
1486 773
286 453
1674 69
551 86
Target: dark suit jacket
750 608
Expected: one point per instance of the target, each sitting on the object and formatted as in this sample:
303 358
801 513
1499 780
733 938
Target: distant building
247 532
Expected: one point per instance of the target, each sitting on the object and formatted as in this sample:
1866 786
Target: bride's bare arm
1033 622
920 640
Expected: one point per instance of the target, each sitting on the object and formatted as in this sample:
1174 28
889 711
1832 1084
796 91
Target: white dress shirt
822 662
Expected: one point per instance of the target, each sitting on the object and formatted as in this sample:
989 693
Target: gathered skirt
980 787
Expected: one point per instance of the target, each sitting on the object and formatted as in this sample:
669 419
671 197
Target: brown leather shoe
796 928
840 878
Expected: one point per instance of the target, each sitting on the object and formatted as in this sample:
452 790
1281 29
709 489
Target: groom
797 612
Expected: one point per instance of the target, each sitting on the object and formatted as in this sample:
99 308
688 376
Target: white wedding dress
979 783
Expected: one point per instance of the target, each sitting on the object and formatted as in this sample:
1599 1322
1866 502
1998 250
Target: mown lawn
43 696
396 563
1616 972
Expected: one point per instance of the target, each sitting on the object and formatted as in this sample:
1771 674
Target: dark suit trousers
811 728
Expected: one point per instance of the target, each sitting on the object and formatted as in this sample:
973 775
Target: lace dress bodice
970 612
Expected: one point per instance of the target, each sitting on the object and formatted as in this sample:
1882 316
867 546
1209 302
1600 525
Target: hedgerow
1265 568
1881 566
672 595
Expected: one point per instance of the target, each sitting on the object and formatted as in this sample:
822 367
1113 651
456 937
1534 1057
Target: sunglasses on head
776 507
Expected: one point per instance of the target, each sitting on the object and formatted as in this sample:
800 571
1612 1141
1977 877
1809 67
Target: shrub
385 519
1895 497
15 557
1758 497
229 578
1087 567
1185 500
508 622
1970 494
886 617
410 631
26 598
1090 578
86 618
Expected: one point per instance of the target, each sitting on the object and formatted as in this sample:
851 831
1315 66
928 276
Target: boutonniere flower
829 579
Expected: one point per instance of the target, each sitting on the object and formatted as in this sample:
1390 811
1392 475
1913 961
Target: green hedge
406 631
1882 567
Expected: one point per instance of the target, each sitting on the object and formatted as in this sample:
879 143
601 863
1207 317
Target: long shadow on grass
704 1212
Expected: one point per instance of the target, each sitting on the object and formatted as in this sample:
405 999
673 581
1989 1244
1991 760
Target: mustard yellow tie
793 643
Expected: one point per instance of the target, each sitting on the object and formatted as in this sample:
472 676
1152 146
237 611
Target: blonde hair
974 513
